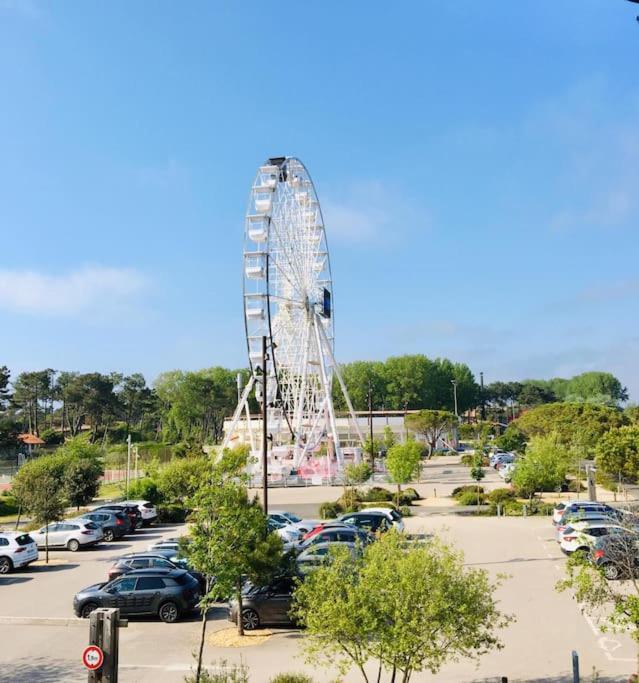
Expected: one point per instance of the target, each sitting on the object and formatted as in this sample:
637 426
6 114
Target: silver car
70 534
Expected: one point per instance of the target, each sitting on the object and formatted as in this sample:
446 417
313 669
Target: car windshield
292 517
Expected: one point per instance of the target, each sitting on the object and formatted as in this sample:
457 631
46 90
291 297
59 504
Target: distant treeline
191 407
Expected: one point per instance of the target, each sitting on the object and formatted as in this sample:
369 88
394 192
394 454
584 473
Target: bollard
525 511
575 667
434 493
498 509
504 679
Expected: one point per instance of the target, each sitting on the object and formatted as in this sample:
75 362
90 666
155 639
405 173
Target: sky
477 164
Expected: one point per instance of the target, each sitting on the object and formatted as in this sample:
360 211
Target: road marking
42 621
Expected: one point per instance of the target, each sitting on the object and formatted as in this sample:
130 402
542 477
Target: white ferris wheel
288 308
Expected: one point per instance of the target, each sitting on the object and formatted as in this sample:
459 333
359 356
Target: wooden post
103 632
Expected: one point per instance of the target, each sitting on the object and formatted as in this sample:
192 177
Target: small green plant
377 494
291 678
145 489
501 495
222 672
330 510
471 497
172 514
459 490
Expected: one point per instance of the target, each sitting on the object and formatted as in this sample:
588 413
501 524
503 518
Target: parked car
148 511
70 534
505 471
371 521
264 605
564 510
16 550
284 517
114 525
584 516
318 553
501 459
131 511
167 593
392 514
166 544
133 561
581 536
617 555
287 532
335 532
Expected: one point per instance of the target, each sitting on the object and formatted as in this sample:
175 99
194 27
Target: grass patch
111 490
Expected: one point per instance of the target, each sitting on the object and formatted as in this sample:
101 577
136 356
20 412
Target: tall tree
402 462
432 425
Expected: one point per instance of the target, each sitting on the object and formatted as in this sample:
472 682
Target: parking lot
40 640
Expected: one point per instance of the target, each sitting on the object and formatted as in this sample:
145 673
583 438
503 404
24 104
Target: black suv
114 524
372 521
617 555
131 511
264 604
128 563
166 593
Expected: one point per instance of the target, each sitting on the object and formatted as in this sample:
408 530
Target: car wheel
73 545
169 612
5 565
87 608
109 535
250 619
611 571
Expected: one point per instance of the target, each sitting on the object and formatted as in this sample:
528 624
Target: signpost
93 657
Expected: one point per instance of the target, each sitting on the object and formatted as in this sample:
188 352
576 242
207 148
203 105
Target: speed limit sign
92 657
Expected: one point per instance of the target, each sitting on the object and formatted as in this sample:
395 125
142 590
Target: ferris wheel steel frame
288 299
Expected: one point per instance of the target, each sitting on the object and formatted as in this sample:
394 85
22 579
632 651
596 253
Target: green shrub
411 493
376 494
330 510
145 489
405 511
8 505
501 495
51 437
460 490
377 504
223 672
291 678
172 514
471 498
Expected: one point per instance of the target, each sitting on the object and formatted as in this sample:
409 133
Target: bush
501 495
145 489
172 514
51 437
378 504
291 678
460 490
8 505
376 494
405 511
330 510
411 493
223 672
471 498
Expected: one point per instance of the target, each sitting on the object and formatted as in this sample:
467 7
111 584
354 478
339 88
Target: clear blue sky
478 165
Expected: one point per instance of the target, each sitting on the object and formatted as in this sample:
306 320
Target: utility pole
264 431
454 383
128 465
481 394
370 418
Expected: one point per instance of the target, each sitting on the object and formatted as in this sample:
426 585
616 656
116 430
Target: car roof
142 556
159 571
368 511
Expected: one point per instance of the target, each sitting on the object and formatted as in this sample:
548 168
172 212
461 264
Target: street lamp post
481 394
264 431
370 418
454 383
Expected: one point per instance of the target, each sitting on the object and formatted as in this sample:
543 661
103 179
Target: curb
43 621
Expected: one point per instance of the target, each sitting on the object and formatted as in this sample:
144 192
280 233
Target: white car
506 471
72 534
16 550
147 510
284 517
391 514
287 532
582 535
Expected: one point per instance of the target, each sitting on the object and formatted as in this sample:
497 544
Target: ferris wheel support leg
327 391
248 425
302 394
238 411
347 398
311 434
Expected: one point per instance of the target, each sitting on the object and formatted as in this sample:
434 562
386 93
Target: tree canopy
432 425
617 452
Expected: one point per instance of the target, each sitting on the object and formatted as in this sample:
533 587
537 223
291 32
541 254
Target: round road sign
92 657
